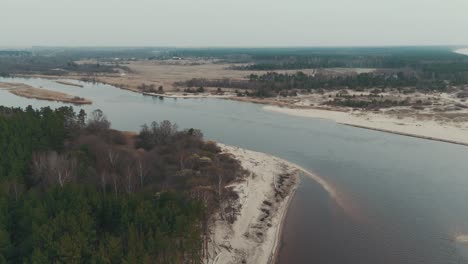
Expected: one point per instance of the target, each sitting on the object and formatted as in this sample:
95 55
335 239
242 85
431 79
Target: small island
28 91
69 84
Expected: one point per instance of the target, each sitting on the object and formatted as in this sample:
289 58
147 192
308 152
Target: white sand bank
264 197
462 51
189 96
428 129
462 238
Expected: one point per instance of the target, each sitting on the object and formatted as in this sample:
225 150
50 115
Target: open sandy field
42 94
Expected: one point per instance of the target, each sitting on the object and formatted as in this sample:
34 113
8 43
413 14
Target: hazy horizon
244 23
456 47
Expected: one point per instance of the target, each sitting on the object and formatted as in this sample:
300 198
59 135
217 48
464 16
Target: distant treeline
56 65
435 66
15 53
423 68
72 190
303 58
424 59
104 53
61 60
431 63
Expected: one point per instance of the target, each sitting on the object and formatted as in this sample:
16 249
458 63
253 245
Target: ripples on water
380 198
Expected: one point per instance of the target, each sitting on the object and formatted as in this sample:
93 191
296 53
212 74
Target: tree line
417 58
55 65
273 84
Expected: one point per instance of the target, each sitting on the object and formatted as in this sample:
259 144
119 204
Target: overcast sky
233 22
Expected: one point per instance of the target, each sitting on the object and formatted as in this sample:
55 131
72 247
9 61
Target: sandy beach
189 96
264 197
462 51
429 129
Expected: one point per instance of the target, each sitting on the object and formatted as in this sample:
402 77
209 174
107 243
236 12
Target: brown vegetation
160 158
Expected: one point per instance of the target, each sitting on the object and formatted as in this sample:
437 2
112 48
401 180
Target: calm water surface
400 199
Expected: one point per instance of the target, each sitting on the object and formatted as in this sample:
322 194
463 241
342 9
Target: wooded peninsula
73 190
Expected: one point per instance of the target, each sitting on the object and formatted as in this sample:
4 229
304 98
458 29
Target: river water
396 199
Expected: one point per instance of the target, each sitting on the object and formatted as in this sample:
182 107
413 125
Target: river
399 199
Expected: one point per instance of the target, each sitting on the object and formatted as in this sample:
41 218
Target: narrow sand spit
69 84
189 96
462 51
427 129
27 91
263 198
461 239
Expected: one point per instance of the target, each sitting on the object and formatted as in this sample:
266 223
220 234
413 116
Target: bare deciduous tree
98 121
52 167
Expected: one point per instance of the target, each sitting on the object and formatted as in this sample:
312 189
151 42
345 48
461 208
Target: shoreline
463 51
169 94
423 129
187 96
264 199
81 78
380 123
279 234
231 242
407 134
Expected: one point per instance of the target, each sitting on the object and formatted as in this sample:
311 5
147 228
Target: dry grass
166 73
